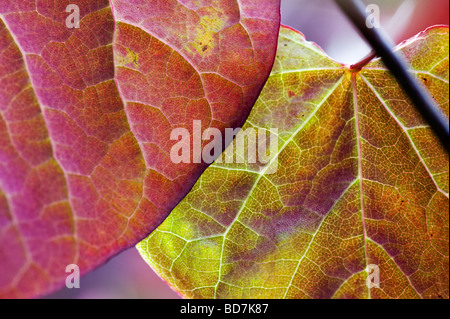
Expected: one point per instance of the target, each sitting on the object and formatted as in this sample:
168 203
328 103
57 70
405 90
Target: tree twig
383 46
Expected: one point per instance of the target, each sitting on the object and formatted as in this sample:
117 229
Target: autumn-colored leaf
86 115
361 181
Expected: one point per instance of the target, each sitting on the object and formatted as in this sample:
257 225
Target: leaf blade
350 190
97 193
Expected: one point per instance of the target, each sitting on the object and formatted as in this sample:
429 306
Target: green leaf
359 179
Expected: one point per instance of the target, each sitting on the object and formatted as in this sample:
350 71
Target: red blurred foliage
427 13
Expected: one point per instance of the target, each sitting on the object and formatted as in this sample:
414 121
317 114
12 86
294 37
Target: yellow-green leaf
359 185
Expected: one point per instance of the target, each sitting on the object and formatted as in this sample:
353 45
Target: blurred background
127 275
321 21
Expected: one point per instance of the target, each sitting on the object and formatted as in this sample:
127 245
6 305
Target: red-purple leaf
86 115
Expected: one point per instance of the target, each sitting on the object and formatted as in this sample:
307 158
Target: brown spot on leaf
291 94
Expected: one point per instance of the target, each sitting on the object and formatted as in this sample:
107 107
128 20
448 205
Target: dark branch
383 46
